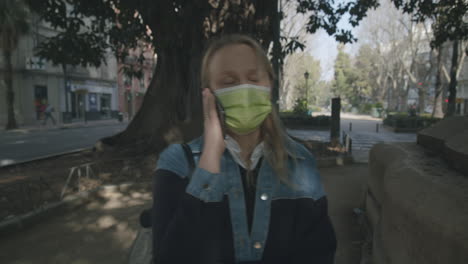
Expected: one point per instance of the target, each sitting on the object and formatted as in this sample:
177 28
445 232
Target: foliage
349 82
450 17
295 85
13 24
88 29
403 120
326 14
300 106
367 108
293 120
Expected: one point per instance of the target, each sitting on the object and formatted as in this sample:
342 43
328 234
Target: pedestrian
48 114
243 192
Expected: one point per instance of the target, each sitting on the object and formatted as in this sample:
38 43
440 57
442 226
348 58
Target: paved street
363 134
23 145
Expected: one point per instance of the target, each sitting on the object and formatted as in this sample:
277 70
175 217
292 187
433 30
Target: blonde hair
272 132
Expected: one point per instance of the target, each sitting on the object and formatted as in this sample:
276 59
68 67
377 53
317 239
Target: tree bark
421 99
276 55
10 96
171 110
453 80
437 110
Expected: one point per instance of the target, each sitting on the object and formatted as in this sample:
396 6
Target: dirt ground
29 186
103 230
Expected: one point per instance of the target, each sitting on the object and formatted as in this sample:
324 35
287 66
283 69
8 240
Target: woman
255 195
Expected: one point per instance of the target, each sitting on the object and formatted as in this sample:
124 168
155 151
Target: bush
299 120
365 108
316 108
403 120
300 106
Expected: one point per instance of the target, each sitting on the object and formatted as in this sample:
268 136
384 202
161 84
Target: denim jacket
209 187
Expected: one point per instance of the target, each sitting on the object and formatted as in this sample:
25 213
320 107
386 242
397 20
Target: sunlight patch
5 162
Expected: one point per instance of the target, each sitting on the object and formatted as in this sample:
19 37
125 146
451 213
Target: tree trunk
404 99
453 80
438 97
394 100
276 59
421 99
10 96
162 118
65 118
171 110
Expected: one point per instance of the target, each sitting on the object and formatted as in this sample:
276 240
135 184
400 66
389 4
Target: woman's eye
228 81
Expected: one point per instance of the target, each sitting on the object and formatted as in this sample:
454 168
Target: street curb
68 203
55 155
61 127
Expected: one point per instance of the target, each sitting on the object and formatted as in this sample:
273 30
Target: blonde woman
251 195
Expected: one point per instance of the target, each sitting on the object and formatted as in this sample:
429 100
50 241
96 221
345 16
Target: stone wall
417 199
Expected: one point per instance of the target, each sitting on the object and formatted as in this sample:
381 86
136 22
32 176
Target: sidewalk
365 132
104 230
49 126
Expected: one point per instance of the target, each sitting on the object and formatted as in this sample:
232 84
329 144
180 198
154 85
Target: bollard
350 126
377 128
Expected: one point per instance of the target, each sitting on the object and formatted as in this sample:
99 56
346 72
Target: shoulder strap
189 156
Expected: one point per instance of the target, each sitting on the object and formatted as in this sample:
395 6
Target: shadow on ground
100 232
104 230
345 187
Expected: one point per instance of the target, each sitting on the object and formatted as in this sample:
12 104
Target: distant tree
295 85
450 24
346 83
367 72
13 24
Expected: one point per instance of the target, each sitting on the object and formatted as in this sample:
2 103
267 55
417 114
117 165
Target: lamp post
306 76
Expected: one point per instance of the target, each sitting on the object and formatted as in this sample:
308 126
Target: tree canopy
178 31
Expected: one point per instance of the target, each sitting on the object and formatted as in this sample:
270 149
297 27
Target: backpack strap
189 156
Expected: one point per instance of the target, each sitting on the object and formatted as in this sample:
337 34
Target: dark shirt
249 191
188 230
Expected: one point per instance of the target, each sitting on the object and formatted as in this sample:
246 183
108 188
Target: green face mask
245 106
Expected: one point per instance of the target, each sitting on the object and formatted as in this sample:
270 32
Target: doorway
40 100
78 105
105 103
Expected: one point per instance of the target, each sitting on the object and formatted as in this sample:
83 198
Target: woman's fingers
209 105
206 112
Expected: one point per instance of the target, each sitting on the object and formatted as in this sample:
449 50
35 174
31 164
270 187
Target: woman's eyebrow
227 72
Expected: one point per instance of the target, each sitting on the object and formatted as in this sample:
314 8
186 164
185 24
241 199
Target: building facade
77 94
132 89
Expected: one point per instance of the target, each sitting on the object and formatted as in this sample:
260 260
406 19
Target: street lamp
306 76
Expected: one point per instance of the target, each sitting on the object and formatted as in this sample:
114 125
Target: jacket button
264 197
257 245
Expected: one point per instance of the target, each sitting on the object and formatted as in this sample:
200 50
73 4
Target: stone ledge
424 207
434 137
456 152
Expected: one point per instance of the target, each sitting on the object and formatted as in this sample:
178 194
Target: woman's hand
213 146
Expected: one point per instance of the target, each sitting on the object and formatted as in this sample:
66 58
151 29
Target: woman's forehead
234 57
